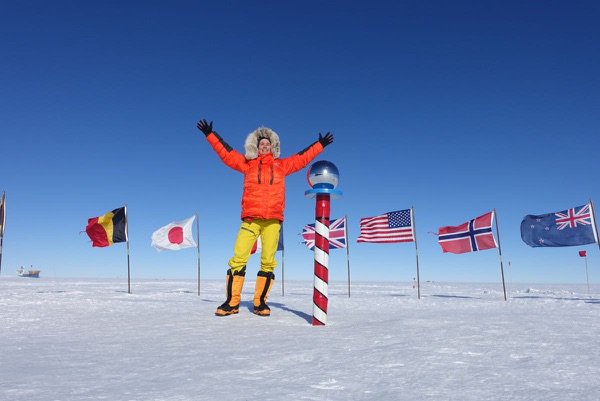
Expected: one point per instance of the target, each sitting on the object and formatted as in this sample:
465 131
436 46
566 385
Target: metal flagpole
595 224
500 253
1 245
2 221
128 265
282 261
414 225
198 248
586 275
282 273
347 251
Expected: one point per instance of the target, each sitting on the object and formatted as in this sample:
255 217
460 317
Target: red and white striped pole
321 260
323 178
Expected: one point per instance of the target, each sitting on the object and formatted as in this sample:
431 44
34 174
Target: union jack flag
337 234
571 217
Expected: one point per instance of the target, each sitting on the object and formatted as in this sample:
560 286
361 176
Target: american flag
337 234
387 228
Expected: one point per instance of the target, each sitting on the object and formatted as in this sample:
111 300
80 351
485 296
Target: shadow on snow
454 296
300 314
587 300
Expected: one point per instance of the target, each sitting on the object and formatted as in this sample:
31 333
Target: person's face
264 147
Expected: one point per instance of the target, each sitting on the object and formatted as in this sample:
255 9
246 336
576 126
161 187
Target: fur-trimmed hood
251 144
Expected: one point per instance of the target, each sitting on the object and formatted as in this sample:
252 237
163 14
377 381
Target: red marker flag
174 236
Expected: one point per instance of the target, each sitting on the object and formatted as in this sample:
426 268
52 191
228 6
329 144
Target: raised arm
228 155
305 156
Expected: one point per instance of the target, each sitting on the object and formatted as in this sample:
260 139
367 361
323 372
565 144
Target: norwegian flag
337 234
474 235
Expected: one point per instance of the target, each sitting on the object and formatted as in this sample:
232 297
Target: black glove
205 127
325 140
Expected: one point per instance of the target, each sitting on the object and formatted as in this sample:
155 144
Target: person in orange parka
263 202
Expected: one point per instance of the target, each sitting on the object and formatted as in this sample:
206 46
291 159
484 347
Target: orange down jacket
264 177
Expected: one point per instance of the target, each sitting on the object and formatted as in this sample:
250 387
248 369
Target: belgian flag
109 228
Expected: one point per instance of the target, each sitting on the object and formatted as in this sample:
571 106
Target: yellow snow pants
247 236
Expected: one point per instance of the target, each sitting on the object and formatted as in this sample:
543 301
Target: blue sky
454 108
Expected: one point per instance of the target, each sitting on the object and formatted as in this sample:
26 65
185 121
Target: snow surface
69 339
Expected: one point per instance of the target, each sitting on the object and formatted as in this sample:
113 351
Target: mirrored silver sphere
323 174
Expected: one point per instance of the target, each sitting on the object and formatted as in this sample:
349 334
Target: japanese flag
174 236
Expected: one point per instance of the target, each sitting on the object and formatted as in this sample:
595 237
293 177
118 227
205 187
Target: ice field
86 339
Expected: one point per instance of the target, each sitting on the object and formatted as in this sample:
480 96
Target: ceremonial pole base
321 279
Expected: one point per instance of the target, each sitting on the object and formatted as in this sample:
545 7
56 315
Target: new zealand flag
570 227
